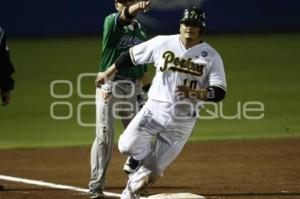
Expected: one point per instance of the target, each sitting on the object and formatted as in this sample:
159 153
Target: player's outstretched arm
128 13
123 61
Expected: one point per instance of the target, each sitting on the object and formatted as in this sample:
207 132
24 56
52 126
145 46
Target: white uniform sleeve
216 72
143 53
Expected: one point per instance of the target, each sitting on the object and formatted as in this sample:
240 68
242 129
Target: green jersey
118 39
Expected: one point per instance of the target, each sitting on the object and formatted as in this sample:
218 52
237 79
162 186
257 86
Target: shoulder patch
204 53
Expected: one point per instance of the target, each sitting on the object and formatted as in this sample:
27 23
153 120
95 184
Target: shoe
128 194
134 192
97 195
141 186
131 165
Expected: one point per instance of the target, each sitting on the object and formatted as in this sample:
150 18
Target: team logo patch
127 41
193 14
204 53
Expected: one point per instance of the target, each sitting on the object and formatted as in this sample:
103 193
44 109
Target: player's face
123 3
190 31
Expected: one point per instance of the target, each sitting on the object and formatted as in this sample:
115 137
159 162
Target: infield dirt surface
238 169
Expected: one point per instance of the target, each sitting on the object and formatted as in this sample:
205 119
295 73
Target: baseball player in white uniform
188 72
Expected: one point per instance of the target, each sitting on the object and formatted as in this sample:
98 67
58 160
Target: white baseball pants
155 138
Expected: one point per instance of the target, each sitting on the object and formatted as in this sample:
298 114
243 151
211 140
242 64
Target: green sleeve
111 35
111 31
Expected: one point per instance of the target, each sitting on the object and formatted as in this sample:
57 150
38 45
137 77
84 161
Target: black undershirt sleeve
215 93
124 61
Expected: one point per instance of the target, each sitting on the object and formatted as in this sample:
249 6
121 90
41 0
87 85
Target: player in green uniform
118 97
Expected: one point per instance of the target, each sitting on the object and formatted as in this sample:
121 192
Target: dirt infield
254 169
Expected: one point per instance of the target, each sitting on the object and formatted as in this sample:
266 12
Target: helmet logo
193 14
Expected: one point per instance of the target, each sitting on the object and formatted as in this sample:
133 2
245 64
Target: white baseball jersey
198 67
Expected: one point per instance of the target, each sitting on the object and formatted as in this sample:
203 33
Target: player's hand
141 6
106 95
185 92
100 79
5 98
106 90
144 5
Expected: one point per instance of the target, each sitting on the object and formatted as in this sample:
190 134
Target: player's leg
131 89
127 95
168 145
101 151
137 139
136 184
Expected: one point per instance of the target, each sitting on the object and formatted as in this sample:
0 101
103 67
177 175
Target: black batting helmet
194 16
125 1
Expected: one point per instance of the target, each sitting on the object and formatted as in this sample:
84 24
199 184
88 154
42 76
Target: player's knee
102 139
124 149
125 145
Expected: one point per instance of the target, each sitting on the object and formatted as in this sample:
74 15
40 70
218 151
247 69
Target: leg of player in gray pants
101 151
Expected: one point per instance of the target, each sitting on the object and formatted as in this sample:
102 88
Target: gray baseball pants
122 104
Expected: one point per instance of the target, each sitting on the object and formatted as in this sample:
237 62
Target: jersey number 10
192 83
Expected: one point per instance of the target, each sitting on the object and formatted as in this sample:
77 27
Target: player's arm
122 61
130 12
211 93
217 80
136 55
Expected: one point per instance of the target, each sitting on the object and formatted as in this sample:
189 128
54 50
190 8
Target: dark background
81 17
